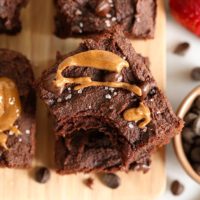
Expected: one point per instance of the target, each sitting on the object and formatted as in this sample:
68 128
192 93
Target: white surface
179 84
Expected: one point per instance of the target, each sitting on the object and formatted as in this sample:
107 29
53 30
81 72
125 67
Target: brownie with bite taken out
109 113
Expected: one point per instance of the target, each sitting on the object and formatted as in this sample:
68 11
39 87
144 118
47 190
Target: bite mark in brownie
91 132
90 17
10 15
20 147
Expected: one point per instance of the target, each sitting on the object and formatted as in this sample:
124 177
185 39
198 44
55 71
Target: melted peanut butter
98 59
10 109
3 140
136 114
103 60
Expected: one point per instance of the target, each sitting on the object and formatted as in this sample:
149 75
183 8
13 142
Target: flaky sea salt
108 96
78 12
108 15
130 125
80 91
59 100
107 22
114 19
115 93
11 133
112 89
69 96
27 131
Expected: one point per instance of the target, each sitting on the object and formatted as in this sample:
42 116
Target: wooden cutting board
39 44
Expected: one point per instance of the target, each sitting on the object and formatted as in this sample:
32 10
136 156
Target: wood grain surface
39 44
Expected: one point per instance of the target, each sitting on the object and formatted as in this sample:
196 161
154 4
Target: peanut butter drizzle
98 59
137 114
10 109
103 60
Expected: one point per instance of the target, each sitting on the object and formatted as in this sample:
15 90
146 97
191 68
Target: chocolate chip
196 167
195 110
177 188
42 175
188 135
152 92
197 103
195 74
111 180
196 126
189 118
186 148
145 87
195 154
182 48
102 8
113 77
197 141
89 182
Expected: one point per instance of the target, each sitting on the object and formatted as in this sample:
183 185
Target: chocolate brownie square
17 110
10 14
109 112
86 17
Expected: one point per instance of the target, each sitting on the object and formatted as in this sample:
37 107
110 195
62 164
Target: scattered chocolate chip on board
89 182
177 188
182 48
111 180
42 174
195 74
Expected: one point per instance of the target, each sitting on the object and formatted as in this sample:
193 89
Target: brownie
88 17
20 148
91 131
10 14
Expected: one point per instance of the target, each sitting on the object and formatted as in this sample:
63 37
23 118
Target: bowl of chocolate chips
187 144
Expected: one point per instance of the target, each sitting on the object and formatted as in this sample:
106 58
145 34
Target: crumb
89 182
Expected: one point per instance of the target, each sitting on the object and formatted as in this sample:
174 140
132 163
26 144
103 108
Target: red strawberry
187 12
